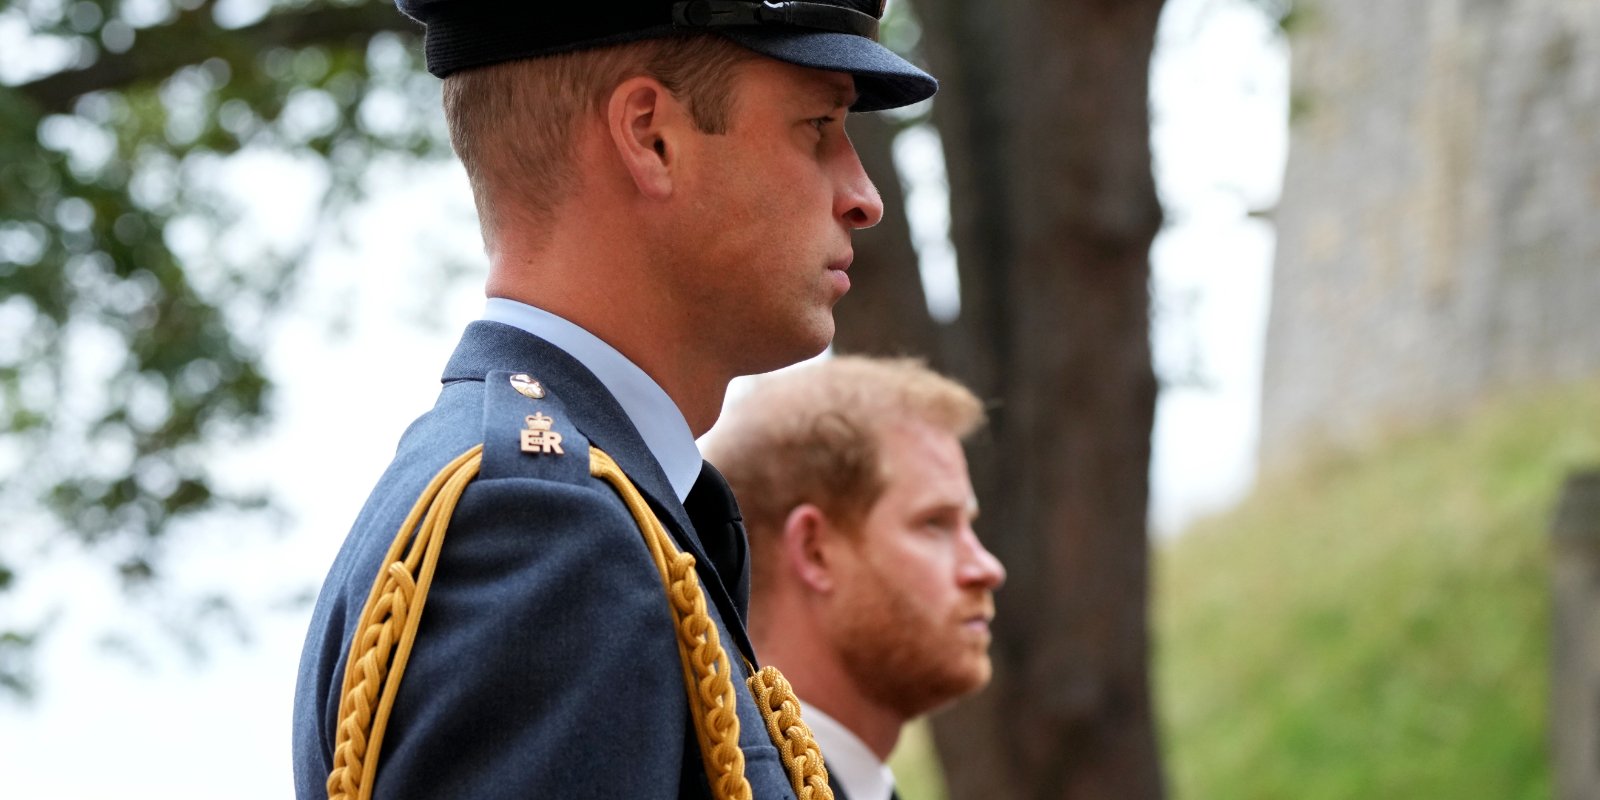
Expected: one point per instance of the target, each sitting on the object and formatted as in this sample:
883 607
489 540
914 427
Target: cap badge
538 438
527 386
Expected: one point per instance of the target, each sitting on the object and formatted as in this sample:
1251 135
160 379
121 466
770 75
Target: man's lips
837 268
978 621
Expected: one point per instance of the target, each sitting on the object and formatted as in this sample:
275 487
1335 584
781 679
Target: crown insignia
538 437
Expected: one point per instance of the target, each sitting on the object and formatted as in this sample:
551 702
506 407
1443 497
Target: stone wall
1439 228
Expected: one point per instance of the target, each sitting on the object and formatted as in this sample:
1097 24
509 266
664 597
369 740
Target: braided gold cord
388 628
790 734
706 669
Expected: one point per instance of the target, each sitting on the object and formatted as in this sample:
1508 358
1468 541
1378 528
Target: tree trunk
1044 117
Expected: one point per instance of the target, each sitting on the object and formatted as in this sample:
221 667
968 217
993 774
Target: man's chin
802 347
817 334
942 689
982 676
952 692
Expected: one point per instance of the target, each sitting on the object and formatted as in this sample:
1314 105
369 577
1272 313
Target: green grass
1374 627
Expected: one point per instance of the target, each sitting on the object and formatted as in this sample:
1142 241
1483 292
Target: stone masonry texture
1439 227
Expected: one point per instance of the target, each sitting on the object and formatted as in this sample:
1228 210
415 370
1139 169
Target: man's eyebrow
842 94
845 97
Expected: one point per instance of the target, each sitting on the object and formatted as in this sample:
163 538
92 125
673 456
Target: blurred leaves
133 304
1290 15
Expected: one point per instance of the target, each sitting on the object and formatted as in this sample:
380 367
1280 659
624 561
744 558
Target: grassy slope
1374 628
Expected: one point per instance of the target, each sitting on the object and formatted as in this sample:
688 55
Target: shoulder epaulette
527 432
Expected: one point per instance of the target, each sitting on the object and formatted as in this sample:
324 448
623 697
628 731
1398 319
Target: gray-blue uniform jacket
546 664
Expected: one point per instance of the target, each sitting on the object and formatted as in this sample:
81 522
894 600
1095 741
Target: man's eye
822 122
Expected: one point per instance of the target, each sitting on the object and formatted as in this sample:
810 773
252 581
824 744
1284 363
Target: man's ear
644 121
808 540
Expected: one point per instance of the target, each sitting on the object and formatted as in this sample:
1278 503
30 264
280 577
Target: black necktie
838 791
833 783
715 516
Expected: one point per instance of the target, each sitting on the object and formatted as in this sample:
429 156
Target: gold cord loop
801 756
387 629
706 669
705 664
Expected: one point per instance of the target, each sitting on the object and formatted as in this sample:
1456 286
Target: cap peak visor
883 79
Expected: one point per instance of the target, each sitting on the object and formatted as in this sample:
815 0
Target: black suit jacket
839 793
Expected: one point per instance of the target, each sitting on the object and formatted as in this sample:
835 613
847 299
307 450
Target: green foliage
915 763
131 315
1376 627
1289 15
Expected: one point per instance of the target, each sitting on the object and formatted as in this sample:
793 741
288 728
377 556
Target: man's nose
979 567
857 201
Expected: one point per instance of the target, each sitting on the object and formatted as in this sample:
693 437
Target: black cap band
737 13
834 35
472 34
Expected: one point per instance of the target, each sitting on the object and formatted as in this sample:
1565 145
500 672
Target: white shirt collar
659 422
850 762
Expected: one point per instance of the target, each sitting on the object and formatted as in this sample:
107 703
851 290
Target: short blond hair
812 434
512 123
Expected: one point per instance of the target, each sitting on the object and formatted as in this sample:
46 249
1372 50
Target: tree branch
194 37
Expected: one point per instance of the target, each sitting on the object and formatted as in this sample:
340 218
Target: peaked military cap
834 35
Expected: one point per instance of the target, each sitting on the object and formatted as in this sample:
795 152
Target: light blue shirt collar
647 405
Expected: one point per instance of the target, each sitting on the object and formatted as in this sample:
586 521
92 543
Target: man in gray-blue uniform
667 197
